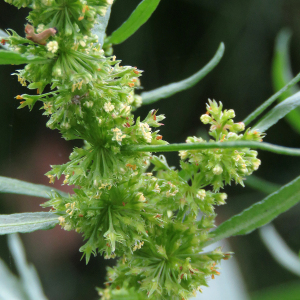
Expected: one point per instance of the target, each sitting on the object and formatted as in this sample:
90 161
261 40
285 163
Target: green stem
213 145
268 102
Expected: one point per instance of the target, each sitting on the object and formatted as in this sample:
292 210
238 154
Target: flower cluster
218 166
154 221
170 265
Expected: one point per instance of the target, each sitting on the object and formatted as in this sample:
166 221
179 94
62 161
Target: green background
177 41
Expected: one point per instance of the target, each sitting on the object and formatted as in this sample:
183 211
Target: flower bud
220 198
217 170
238 127
201 194
205 119
229 114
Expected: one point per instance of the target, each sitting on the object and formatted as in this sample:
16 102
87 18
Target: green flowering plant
127 202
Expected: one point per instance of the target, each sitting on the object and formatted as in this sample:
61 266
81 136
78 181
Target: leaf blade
279 249
13 58
139 16
286 291
3 35
173 88
27 222
261 185
260 213
15 186
278 112
282 74
10 287
29 277
100 27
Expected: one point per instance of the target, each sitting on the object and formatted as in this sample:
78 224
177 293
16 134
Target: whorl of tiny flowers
170 265
219 166
52 46
20 3
82 18
115 219
179 195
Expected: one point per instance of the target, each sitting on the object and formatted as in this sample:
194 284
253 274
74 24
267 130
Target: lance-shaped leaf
261 184
100 27
279 249
286 291
29 279
27 222
278 112
15 186
282 74
10 287
13 58
139 16
260 213
173 88
271 100
3 35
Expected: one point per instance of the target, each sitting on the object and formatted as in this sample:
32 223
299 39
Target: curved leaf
100 27
3 35
268 102
27 222
282 74
173 88
286 291
261 185
13 58
139 16
10 287
15 186
260 213
279 249
278 112
29 278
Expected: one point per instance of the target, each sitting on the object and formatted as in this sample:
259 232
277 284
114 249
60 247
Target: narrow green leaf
286 291
282 74
13 58
10 287
272 99
15 186
261 185
29 277
279 249
278 112
139 16
260 213
27 222
100 27
3 35
173 88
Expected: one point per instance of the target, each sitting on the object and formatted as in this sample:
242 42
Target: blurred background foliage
179 39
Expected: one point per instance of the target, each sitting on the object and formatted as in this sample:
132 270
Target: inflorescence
154 221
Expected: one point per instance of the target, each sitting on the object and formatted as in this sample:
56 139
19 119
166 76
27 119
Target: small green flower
218 166
170 265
